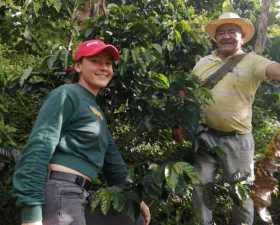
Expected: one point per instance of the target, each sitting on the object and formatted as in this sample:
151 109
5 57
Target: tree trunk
91 8
265 183
262 27
100 8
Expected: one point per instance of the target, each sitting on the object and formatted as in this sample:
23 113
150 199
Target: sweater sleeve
32 167
114 169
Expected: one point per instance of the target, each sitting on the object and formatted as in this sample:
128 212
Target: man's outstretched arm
273 71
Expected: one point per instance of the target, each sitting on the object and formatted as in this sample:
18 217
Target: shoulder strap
219 74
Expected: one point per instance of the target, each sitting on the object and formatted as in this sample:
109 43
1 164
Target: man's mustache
227 42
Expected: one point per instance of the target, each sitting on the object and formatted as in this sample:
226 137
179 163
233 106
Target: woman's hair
75 77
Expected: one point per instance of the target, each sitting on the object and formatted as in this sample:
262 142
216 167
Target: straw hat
231 18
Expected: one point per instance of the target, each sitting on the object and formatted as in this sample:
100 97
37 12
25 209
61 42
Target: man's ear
242 40
243 35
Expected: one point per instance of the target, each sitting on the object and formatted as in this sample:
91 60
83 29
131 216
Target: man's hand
33 223
145 211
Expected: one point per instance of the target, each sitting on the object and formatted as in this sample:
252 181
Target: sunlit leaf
171 176
106 200
227 7
186 26
161 80
26 74
57 5
95 202
36 7
158 48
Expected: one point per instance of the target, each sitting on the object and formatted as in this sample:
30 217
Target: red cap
94 47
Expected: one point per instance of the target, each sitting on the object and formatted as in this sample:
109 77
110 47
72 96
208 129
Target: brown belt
218 132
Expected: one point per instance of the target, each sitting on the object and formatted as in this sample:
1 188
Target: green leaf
118 201
125 55
190 11
95 201
179 167
52 60
217 150
36 7
227 7
188 169
134 55
57 5
27 3
242 190
186 26
133 212
27 34
161 80
158 48
153 181
26 74
105 202
178 37
171 176
154 167
169 46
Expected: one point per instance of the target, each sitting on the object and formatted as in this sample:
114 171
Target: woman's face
95 71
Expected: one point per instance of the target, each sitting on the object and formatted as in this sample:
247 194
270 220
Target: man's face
229 39
95 72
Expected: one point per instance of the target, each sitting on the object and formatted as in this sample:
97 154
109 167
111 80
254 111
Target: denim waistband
73 178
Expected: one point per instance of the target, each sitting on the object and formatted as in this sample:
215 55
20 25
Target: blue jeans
236 163
66 203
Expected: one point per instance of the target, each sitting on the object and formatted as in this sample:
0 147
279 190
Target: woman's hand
145 211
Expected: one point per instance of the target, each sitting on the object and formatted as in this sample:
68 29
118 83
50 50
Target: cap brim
245 25
108 48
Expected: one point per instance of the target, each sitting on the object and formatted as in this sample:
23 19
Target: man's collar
215 57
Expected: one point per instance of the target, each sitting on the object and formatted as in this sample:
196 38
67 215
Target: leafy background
160 41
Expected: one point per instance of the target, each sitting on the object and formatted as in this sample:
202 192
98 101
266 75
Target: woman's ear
77 67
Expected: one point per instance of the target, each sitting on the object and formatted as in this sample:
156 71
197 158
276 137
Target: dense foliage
160 42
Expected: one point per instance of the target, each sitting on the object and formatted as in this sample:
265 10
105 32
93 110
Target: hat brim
245 25
108 48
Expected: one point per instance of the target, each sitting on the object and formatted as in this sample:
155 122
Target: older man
227 119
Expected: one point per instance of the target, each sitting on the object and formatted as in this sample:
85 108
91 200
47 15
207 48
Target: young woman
69 145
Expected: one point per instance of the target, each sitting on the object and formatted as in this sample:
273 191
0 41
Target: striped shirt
233 96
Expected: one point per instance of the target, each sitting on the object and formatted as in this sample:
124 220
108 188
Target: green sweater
70 130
